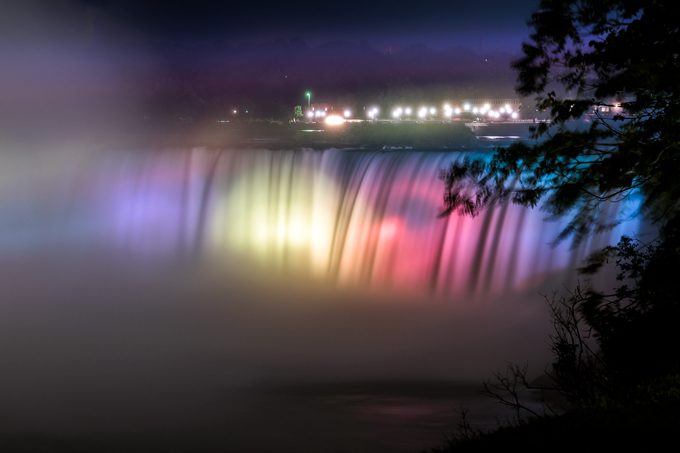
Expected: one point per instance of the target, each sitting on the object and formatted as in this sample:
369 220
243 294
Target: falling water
178 293
353 218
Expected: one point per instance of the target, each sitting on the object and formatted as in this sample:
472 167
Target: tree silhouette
616 64
607 73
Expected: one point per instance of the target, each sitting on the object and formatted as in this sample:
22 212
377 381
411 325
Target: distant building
496 103
489 109
608 110
476 110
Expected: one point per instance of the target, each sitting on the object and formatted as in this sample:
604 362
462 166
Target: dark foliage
620 348
585 57
636 324
614 65
648 428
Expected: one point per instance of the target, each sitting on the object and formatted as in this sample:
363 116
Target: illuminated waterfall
348 217
371 219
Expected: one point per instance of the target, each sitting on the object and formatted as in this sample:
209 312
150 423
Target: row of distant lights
422 113
347 113
448 111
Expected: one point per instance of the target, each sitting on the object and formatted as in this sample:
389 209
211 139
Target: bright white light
507 108
456 111
467 106
483 110
514 115
448 111
318 113
433 110
475 110
334 120
347 113
490 113
502 110
422 112
310 114
397 112
234 111
373 112
487 106
408 110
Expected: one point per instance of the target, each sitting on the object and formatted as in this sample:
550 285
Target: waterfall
354 218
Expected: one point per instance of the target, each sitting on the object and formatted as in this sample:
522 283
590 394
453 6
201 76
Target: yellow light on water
285 219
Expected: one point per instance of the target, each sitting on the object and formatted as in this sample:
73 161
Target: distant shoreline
380 136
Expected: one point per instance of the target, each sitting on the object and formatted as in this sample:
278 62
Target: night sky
201 58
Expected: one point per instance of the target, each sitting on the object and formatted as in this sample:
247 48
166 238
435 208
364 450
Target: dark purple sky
480 25
198 57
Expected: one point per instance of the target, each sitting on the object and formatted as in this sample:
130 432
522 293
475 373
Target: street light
308 95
